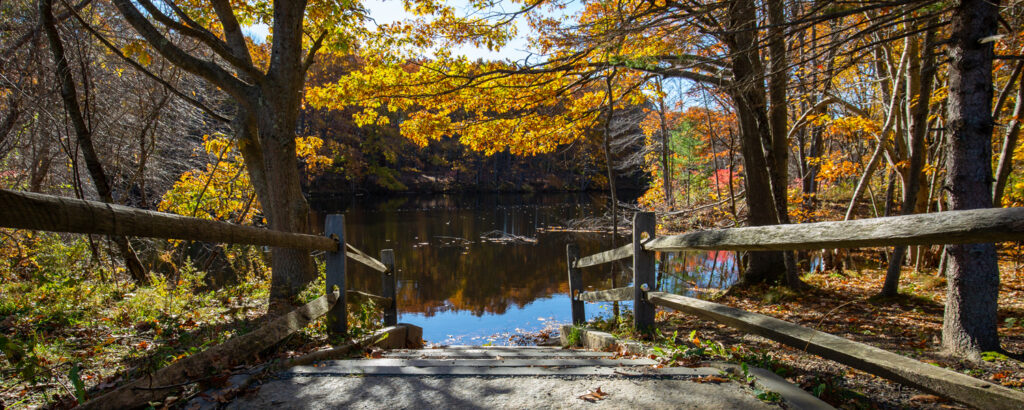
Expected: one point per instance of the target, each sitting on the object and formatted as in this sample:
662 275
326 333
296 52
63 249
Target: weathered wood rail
27 210
952 227
938 228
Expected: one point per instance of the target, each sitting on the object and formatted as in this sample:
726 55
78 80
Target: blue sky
388 11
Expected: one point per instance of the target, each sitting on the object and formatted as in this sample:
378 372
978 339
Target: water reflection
696 273
462 289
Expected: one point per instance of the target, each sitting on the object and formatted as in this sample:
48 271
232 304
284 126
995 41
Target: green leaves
768 396
77 383
14 352
23 359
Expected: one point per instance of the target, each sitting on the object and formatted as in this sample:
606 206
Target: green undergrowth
64 335
71 325
676 350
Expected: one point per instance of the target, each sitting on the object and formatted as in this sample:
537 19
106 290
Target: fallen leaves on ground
927 398
709 379
843 304
594 396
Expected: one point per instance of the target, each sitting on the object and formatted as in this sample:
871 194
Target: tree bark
922 74
268 107
277 115
83 134
614 200
778 117
1009 145
666 165
751 110
969 322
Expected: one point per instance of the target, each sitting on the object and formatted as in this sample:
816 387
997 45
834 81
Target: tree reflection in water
452 283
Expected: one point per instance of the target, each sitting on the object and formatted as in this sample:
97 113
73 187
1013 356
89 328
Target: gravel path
427 392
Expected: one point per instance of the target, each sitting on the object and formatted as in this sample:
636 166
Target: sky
388 11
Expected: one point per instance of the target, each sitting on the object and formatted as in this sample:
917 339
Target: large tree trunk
277 115
267 118
69 94
922 74
751 110
286 209
778 117
969 323
762 266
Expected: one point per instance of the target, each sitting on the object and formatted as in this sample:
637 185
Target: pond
463 287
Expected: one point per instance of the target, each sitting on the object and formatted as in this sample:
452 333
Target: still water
463 289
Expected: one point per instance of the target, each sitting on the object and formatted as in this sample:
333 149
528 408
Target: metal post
389 279
572 253
643 271
337 317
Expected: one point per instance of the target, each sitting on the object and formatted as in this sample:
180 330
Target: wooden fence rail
952 227
892 366
610 295
27 210
938 228
622 252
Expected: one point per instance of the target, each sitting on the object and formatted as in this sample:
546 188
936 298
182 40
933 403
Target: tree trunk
778 117
969 322
69 95
751 111
666 166
810 182
614 200
1009 145
922 74
277 115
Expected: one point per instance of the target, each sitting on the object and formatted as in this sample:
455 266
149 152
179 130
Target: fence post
389 278
643 272
337 317
572 253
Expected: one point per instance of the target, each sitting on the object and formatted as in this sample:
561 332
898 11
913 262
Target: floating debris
452 241
505 238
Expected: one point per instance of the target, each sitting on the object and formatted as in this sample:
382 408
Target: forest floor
63 340
844 305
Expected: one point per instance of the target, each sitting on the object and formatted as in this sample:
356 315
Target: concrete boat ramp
514 377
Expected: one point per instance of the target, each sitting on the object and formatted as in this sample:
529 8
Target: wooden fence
26 210
23 210
953 227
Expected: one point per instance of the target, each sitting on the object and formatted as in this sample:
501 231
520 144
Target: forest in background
730 113
378 159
